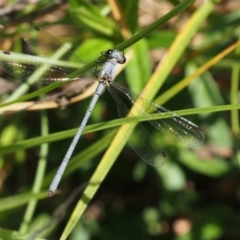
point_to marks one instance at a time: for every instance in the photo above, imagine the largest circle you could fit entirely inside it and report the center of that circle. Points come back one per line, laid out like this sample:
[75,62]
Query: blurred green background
[196,195]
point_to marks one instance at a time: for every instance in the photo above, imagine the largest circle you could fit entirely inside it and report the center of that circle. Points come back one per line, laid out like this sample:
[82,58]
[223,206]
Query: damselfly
[64,65]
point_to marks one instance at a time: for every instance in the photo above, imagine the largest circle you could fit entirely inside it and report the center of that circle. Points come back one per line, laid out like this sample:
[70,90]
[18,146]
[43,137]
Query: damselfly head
[119,56]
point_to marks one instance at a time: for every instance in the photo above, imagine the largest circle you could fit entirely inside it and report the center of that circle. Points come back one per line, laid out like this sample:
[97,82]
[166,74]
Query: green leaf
[138,69]
[214,167]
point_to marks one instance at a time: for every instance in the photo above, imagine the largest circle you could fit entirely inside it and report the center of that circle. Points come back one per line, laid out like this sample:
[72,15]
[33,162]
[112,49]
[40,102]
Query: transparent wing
[146,147]
[176,127]
[22,66]
[44,44]
[60,63]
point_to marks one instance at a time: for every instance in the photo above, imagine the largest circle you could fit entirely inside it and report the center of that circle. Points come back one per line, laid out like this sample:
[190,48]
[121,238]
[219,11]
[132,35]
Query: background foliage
[191,62]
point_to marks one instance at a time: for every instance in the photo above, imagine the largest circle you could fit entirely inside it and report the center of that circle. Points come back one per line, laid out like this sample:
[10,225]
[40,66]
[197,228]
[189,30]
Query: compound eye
[123,60]
[109,52]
